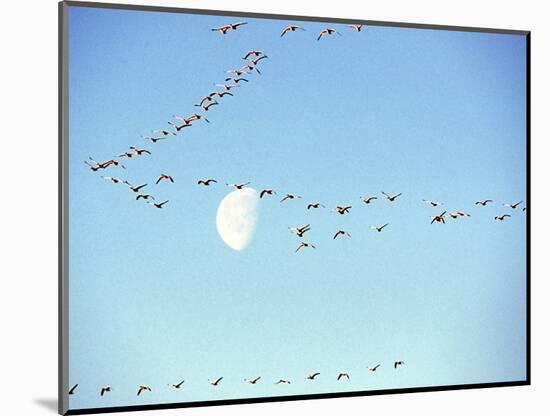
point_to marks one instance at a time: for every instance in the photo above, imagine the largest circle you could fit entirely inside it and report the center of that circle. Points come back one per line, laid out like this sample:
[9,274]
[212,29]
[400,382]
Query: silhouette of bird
[231,26]
[143,388]
[73,389]
[439,218]
[368,199]
[139,151]
[327,31]
[159,205]
[252,380]
[312,376]
[379,228]
[216,381]
[514,205]
[303,244]
[300,231]
[433,203]
[207,106]
[342,209]
[238,185]
[390,197]
[342,374]
[458,214]
[290,196]
[114,180]
[236,80]
[125,154]
[358,28]
[221,94]
[153,139]
[164,177]
[164,132]
[315,205]
[256,60]
[135,188]
[267,191]
[253,52]
[283,381]
[206,182]
[105,390]
[144,196]
[398,363]
[177,385]
[374,368]
[227,87]
[501,217]
[180,126]
[291,28]
[340,232]
[484,202]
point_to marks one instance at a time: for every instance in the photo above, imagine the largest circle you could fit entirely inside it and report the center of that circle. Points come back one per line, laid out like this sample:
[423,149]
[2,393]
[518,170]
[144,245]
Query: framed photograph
[262,208]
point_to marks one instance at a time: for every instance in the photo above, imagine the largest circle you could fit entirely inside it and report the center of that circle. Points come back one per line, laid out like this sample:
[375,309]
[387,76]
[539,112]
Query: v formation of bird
[180,123]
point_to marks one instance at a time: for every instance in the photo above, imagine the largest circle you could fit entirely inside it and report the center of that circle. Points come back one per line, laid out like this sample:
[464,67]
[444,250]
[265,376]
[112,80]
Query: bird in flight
[177,385]
[282,381]
[125,154]
[458,214]
[252,380]
[358,28]
[207,106]
[238,72]
[159,205]
[501,217]
[182,125]
[196,116]
[221,94]
[368,199]
[164,132]
[327,31]
[216,381]
[206,182]
[238,185]
[154,139]
[256,60]
[250,67]
[103,165]
[105,390]
[514,205]
[164,177]
[300,231]
[139,151]
[342,374]
[135,188]
[374,368]
[144,196]
[483,202]
[231,26]
[254,53]
[315,205]
[342,209]
[267,191]
[379,228]
[236,80]
[391,198]
[291,28]
[290,196]
[227,87]
[312,376]
[398,363]
[433,203]
[439,218]
[143,388]
[303,244]
[114,180]
[340,232]
[72,389]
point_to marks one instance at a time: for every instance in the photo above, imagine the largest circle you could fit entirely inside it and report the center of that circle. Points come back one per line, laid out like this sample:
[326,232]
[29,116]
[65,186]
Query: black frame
[63,256]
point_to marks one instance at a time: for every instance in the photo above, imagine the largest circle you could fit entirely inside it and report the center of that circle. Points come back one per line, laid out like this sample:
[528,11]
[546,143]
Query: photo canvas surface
[275,208]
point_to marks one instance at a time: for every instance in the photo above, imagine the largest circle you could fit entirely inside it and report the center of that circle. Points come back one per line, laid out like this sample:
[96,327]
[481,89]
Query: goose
[315,205]
[73,389]
[221,94]
[238,186]
[177,385]
[256,60]
[135,188]
[368,199]
[458,214]
[398,363]
[342,209]
[253,52]
[234,26]
[267,191]
[342,374]
[300,231]
[282,381]
[340,232]
[250,67]
[379,228]
[205,98]
[153,139]
[164,132]
[312,376]
[239,72]
[483,202]
[95,166]
[114,180]
[291,28]
[302,245]
[104,390]
[236,80]
[433,203]
[439,218]
[206,182]
[374,368]
[227,87]
[222,29]
[180,126]
[144,196]
[196,116]
[143,388]
[216,381]
[139,151]
[252,380]
[390,197]
[501,217]
[356,27]
[207,106]
[103,165]
[290,196]
[125,154]
[164,177]
[159,205]
[514,205]
[327,31]
[112,162]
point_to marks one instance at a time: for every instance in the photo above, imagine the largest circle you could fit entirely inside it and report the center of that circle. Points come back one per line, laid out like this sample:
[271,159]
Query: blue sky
[156,296]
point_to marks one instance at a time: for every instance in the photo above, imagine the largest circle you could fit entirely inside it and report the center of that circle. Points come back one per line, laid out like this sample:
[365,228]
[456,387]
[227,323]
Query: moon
[237,217]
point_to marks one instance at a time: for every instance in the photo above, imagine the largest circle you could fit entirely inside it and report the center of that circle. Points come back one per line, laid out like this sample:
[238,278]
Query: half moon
[237,217]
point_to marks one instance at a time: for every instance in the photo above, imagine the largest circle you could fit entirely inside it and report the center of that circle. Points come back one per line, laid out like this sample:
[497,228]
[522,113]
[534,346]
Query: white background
[28,225]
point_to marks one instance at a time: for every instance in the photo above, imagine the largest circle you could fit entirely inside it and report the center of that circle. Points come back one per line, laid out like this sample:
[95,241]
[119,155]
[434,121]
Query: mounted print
[265,208]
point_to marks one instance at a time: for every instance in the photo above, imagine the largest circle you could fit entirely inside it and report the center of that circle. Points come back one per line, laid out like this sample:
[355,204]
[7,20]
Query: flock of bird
[142,388]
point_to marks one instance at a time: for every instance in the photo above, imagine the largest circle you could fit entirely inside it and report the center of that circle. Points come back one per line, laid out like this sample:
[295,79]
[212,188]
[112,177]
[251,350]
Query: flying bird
[256,60]
[221,94]
[73,389]
[379,228]
[342,209]
[164,177]
[231,26]
[238,185]
[105,390]
[514,205]
[153,139]
[238,72]
[483,202]
[374,368]
[433,203]
[267,191]
[439,218]
[125,154]
[144,196]
[300,231]
[178,385]
[143,388]
[159,205]
[254,53]
[398,363]
[327,31]
[139,151]
[252,380]
[358,28]
[196,116]
[227,87]
[283,381]
[303,244]
[458,214]
[291,28]
[206,182]
[390,197]
[216,381]
[290,196]
[182,125]
[312,376]
[207,106]
[342,374]
[236,80]
[315,205]
[368,199]
[340,232]
[114,180]
[501,217]
[135,188]
[164,132]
